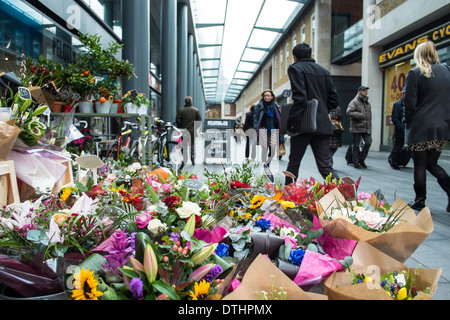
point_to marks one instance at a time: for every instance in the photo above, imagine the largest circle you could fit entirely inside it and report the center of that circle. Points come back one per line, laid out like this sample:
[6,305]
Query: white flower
[288,232]
[341,212]
[155,226]
[54,233]
[371,218]
[400,278]
[84,206]
[6,225]
[188,208]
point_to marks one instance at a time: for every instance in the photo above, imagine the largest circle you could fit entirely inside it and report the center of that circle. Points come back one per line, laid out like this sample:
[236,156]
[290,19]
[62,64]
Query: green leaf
[130,273]
[94,262]
[166,289]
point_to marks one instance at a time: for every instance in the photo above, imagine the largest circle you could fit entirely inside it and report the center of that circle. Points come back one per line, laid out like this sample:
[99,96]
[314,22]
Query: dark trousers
[397,148]
[320,146]
[361,155]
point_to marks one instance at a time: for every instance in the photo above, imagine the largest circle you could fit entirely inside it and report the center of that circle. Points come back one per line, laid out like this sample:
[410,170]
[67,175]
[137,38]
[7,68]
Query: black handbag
[308,122]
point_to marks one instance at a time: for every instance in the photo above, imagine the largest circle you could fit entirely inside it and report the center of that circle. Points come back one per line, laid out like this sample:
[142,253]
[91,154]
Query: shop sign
[437,35]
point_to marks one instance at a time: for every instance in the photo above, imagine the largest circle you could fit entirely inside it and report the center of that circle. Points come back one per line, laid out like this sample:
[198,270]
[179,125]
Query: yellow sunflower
[257,201]
[85,286]
[201,290]
[66,192]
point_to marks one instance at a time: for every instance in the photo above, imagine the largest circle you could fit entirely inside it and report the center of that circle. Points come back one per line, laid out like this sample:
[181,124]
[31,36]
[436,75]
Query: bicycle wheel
[155,156]
[172,156]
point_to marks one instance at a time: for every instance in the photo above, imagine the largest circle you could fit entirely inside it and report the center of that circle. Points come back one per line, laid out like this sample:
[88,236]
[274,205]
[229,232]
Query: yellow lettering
[422,39]
[441,31]
[447,30]
[383,58]
[398,51]
[435,35]
[410,46]
[391,54]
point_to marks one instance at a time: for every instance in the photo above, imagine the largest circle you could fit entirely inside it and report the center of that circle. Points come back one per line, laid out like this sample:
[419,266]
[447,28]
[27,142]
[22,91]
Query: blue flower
[222,250]
[296,256]
[264,224]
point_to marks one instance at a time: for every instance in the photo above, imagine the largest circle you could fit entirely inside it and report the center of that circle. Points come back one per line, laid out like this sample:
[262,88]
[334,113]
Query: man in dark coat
[310,81]
[248,124]
[185,119]
[398,112]
[360,113]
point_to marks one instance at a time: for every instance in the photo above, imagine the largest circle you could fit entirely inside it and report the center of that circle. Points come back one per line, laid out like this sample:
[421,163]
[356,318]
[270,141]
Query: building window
[227,109]
[313,33]
[281,64]
[276,68]
[294,40]
[287,58]
[303,34]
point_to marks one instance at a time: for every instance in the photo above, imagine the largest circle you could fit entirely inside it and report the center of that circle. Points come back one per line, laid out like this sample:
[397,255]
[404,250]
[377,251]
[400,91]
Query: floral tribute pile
[145,234]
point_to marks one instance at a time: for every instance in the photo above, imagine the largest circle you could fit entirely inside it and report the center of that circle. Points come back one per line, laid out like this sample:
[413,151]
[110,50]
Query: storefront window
[23,30]
[395,78]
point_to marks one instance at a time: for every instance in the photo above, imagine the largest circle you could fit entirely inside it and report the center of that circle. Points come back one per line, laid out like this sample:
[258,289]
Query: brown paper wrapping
[338,286]
[399,242]
[258,278]
[8,136]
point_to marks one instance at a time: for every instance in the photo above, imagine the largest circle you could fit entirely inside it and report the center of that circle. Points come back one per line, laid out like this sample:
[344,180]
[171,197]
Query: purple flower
[137,288]
[174,236]
[213,273]
[119,251]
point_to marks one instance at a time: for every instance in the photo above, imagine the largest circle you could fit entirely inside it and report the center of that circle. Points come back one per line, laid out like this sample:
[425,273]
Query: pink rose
[142,220]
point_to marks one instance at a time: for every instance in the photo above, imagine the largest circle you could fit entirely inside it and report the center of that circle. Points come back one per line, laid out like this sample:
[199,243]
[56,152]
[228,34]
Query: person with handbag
[338,130]
[266,119]
[359,111]
[310,81]
[427,117]
[399,156]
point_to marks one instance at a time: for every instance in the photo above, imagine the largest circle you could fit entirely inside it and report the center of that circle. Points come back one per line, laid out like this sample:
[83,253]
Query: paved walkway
[434,252]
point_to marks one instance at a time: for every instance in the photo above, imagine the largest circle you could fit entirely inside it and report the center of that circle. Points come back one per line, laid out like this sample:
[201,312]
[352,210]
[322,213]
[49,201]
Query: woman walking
[427,117]
[267,117]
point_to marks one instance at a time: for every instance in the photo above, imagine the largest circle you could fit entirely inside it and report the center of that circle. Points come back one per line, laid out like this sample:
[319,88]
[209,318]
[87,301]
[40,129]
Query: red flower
[172,201]
[238,184]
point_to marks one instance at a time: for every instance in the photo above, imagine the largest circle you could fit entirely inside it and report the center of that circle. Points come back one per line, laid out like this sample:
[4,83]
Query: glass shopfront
[23,30]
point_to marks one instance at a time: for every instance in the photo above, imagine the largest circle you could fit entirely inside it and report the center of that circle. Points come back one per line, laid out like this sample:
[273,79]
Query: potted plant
[135,102]
[43,78]
[97,72]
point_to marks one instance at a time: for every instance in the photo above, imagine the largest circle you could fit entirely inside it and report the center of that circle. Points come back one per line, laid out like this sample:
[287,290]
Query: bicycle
[166,153]
[127,142]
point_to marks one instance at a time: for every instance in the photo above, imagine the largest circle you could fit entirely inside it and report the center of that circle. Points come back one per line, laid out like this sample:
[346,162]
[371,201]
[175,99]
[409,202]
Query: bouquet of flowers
[27,118]
[394,229]
[376,276]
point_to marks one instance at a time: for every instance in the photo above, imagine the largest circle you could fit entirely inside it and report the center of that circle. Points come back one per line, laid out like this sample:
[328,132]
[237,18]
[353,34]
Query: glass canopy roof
[234,37]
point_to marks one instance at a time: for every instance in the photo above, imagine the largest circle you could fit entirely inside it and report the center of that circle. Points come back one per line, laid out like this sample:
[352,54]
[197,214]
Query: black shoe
[357,166]
[396,167]
[417,205]
[361,162]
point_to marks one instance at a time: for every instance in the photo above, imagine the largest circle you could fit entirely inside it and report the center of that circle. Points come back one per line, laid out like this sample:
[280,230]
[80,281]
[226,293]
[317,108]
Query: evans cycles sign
[437,35]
